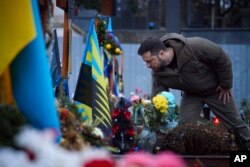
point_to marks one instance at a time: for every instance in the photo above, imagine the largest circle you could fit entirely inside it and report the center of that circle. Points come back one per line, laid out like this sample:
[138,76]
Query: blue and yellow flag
[17,29]
[111,64]
[91,88]
[23,49]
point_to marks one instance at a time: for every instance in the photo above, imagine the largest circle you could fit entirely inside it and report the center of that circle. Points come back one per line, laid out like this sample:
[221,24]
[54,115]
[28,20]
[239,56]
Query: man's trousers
[191,107]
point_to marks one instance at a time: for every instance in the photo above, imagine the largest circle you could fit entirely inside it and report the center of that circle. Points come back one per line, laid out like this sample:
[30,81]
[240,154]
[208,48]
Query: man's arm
[212,53]
[157,87]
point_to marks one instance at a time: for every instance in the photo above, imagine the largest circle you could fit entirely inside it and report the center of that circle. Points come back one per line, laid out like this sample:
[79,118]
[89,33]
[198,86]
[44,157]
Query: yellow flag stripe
[97,56]
[105,110]
[17,29]
[96,64]
[103,116]
[105,102]
[102,89]
[89,58]
[101,120]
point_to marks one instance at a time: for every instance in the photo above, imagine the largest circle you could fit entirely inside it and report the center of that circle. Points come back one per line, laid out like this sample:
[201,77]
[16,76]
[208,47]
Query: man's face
[163,58]
[152,61]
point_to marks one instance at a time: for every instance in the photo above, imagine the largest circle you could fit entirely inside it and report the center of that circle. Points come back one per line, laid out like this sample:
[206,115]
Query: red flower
[64,113]
[116,113]
[99,163]
[130,132]
[115,129]
[127,115]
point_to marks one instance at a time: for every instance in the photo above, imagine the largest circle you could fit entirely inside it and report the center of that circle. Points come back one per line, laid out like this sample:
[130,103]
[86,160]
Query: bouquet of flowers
[151,118]
[160,112]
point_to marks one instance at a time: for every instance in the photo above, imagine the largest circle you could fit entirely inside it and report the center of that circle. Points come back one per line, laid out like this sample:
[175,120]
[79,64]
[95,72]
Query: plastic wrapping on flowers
[156,116]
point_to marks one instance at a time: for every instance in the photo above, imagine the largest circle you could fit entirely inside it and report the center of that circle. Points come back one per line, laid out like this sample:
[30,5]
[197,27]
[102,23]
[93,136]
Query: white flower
[146,102]
[46,152]
[13,158]
[98,132]
[132,93]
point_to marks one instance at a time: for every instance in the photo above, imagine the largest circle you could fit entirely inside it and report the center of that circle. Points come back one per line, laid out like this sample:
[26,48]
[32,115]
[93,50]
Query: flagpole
[111,81]
[65,58]
[6,95]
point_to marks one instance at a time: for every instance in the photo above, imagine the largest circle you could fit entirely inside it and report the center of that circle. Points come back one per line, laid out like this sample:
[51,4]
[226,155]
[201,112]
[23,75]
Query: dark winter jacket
[201,66]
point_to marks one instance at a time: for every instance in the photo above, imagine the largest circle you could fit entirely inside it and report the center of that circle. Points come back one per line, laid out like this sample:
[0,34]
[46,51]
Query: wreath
[106,38]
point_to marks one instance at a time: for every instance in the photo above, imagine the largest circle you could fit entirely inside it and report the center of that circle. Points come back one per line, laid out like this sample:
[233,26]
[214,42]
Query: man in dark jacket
[202,71]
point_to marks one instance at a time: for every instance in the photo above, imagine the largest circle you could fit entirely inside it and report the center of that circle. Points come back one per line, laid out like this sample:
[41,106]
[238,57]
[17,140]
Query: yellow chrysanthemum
[160,103]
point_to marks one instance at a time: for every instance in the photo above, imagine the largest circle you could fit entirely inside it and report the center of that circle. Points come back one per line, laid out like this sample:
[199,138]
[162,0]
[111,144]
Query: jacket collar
[173,36]
[178,43]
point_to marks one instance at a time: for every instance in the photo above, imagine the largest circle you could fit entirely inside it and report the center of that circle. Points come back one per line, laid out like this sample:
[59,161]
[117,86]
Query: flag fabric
[55,64]
[115,89]
[111,64]
[111,72]
[108,60]
[16,32]
[107,64]
[23,44]
[60,84]
[109,25]
[91,88]
[86,116]
[65,86]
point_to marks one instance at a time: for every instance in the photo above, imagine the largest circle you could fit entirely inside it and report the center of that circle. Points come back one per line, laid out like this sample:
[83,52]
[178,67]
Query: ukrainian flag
[23,49]
[91,88]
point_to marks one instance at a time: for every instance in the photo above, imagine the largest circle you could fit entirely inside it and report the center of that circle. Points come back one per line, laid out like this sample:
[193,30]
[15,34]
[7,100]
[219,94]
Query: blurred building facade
[226,22]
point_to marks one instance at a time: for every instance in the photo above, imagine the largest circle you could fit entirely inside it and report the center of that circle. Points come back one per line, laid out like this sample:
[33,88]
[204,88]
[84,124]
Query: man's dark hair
[154,45]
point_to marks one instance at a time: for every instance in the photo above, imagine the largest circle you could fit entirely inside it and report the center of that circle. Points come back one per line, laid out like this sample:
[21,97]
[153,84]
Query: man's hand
[225,94]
